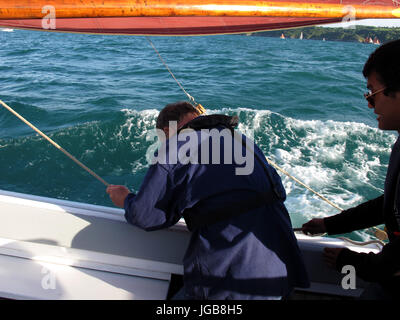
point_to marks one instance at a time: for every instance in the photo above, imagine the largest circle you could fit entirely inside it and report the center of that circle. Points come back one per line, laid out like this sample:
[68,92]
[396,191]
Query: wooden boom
[33,9]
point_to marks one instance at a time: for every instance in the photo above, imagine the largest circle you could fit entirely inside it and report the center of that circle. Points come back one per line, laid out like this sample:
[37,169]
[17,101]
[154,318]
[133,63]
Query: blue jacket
[253,255]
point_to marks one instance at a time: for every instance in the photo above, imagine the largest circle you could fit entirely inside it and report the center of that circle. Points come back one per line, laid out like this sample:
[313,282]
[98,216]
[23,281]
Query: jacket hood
[212,121]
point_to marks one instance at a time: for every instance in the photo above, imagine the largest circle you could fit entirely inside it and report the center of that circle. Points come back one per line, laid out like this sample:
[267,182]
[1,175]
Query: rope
[359,243]
[54,143]
[199,107]
[380,234]
[304,185]
[169,70]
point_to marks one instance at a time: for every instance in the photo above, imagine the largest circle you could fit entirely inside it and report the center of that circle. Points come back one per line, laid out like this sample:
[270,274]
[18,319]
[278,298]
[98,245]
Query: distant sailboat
[376,41]
[323,39]
[301,36]
[282,36]
[369,40]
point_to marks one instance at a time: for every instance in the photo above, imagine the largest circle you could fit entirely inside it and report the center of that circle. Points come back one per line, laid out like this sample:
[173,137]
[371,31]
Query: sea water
[98,97]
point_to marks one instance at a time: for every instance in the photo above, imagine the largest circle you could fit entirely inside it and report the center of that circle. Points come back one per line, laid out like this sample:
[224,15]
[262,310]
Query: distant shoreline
[354,34]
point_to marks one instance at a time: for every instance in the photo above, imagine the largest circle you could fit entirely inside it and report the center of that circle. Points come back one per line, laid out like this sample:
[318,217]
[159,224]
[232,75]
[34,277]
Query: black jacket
[384,266]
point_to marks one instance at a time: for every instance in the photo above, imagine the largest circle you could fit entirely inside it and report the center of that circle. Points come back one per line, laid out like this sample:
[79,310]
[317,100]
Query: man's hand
[118,194]
[314,226]
[331,255]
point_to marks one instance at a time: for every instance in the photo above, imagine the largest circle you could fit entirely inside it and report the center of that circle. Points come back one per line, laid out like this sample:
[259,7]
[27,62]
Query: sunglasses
[369,96]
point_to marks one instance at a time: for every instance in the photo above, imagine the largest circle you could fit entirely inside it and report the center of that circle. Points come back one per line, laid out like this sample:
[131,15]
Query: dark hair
[385,61]
[174,112]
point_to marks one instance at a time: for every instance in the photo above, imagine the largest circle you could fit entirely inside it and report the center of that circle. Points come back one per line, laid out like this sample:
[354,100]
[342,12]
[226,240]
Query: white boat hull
[56,249]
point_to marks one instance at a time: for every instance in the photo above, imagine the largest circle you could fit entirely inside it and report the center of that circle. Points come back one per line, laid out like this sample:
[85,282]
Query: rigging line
[54,143]
[169,70]
[380,234]
[303,184]
[198,106]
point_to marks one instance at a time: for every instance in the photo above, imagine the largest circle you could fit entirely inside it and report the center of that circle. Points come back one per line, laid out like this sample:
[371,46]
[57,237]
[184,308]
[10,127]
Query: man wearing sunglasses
[382,71]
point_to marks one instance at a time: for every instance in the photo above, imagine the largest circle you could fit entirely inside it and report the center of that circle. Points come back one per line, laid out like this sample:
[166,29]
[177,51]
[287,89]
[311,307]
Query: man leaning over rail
[382,71]
[242,245]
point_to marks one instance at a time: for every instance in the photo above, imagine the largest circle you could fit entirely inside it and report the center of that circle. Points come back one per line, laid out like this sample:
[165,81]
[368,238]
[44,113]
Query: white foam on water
[138,123]
[136,130]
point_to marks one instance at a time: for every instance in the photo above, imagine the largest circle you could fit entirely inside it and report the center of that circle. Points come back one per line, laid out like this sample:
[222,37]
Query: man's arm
[363,216]
[153,206]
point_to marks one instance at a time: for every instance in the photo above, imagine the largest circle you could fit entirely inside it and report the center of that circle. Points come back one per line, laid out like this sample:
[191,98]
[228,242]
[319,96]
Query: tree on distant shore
[357,34]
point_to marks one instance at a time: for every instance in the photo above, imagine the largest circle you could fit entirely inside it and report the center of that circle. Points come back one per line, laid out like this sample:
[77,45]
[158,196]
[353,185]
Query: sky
[369,22]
